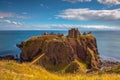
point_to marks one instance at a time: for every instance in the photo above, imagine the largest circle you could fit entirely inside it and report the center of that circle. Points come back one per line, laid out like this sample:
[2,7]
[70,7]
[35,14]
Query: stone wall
[73,33]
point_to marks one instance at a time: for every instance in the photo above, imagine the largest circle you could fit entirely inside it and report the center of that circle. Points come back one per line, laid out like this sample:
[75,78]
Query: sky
[59,14]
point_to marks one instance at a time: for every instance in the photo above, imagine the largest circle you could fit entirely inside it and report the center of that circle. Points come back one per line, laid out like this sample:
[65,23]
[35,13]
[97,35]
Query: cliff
[72,53]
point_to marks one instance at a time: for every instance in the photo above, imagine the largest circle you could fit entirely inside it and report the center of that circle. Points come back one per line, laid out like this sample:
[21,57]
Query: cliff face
[61,53]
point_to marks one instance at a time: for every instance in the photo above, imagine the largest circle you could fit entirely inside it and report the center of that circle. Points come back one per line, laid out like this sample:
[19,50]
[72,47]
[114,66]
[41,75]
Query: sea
[108,42]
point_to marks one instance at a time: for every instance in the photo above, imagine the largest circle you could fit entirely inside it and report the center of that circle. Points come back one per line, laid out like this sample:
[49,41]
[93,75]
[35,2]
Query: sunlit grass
[14,71]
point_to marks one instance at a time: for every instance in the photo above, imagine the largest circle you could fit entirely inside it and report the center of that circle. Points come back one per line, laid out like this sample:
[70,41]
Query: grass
[11,70]
[82,65]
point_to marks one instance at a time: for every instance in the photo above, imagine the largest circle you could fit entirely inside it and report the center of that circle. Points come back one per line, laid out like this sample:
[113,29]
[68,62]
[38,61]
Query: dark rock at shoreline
[58,53]
[106,64]
[8,57]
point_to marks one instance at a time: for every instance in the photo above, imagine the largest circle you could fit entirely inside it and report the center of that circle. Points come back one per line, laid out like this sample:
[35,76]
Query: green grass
[14,71]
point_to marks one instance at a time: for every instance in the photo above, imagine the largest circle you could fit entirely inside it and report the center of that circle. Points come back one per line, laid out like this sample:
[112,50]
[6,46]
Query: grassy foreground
[14,71]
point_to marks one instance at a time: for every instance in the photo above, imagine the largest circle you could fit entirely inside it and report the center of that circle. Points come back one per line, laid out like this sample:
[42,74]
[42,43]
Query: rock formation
[72,53]
[7,57]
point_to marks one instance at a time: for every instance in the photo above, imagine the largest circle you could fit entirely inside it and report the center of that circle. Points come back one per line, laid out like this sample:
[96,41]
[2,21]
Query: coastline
[106,41]
[104,64]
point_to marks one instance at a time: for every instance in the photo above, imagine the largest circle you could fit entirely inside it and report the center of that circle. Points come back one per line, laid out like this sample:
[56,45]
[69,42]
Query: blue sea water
[108,42]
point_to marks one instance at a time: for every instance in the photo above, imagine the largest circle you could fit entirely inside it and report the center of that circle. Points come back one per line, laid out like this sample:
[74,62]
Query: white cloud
[10,22]
[16,23]
[57,27]
[74,1]
[11,15]
[68,26]
[87,14]
[106,2]
[109,2]
[7,21]
[1,17]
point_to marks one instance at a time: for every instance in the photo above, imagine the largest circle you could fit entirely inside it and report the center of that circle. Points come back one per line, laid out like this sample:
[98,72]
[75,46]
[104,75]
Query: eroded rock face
[60,52]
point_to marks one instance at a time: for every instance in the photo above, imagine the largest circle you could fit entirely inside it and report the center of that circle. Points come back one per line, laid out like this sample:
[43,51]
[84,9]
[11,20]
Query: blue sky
[59,14]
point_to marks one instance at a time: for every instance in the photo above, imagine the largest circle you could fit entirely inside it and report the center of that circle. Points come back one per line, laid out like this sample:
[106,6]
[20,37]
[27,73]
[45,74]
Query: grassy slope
[14,71]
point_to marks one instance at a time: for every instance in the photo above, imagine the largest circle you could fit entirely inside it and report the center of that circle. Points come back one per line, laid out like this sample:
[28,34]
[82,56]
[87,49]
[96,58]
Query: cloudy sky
[59,14]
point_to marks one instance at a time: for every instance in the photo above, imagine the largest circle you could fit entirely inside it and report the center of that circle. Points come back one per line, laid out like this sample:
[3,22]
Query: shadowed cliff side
[72,53]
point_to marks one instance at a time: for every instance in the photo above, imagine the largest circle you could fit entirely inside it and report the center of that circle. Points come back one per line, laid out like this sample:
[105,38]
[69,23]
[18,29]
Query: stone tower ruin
[73,33]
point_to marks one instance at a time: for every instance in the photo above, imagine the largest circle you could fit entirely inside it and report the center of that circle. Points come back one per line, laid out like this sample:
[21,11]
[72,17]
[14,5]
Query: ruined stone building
[73,33]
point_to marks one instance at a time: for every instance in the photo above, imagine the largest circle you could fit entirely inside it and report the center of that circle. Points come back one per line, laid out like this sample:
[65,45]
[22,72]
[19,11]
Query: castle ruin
[73,33]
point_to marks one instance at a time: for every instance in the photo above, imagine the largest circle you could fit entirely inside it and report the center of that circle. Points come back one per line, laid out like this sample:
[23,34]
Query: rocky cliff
[72,53]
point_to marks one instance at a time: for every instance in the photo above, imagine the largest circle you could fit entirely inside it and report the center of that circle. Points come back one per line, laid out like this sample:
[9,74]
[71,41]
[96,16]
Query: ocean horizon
[107,41]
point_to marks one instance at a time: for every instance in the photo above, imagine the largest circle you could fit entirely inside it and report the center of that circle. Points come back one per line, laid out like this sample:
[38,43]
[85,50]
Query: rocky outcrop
[72,53]
[7,57]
